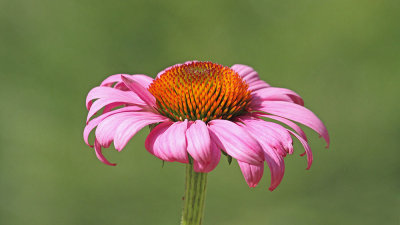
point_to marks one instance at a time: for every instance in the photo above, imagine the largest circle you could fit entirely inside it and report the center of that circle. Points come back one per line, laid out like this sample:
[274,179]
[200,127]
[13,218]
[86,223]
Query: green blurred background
[343,57]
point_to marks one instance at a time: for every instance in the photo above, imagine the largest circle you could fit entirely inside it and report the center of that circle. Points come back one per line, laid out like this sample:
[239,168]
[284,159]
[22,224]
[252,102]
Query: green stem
[195,193]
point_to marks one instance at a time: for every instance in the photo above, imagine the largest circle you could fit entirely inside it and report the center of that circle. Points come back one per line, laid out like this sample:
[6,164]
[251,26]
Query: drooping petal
[99,104]
[154,143]
[94,122]
[199,141]
[278,137]
[100,155]
[296,113]
[252,173]
[113,94]
[105,131]
[278,94]
[274,159]
[306,147]
[292,125]
[202,167]
[137,88]
[130,126]
[235,141]
[167,141]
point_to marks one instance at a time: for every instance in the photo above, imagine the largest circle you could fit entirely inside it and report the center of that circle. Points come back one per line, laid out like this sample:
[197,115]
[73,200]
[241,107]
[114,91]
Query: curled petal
[235,141]
[296,113]
[99,154]
[252,173]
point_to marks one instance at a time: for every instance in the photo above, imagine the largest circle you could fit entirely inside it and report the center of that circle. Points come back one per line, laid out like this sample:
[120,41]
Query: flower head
[198,110]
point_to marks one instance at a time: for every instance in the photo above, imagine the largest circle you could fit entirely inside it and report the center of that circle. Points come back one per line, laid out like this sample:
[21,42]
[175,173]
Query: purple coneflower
[196,111]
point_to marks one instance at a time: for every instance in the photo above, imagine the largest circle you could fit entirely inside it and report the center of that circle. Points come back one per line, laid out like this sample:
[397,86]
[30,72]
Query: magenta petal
[278,94]
[297,113]
[142,92]
[130,126]
[167,141]
[236,141]
[252,173]
[94,122]
[198,141]
[100,155]
[205,167]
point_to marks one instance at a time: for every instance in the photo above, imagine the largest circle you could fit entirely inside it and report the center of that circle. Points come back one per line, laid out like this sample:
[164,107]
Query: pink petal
[292,125]
[274,159]
[130,126]
[235,140]
[142,79]
[202,167]
[142,92]
[198,141]
[251,77]
[306,147]
[106,129]
[167,141]
[112,94]
[246,72]
[278,137]
[252,173]
[256,85]
[100,155]
[99,104]
[153,142]
[278,94]
[94,122]
[297,113]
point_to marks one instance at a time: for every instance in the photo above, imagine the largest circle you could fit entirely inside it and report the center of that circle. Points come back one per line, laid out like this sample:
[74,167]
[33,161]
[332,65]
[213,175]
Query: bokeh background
[343,57]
